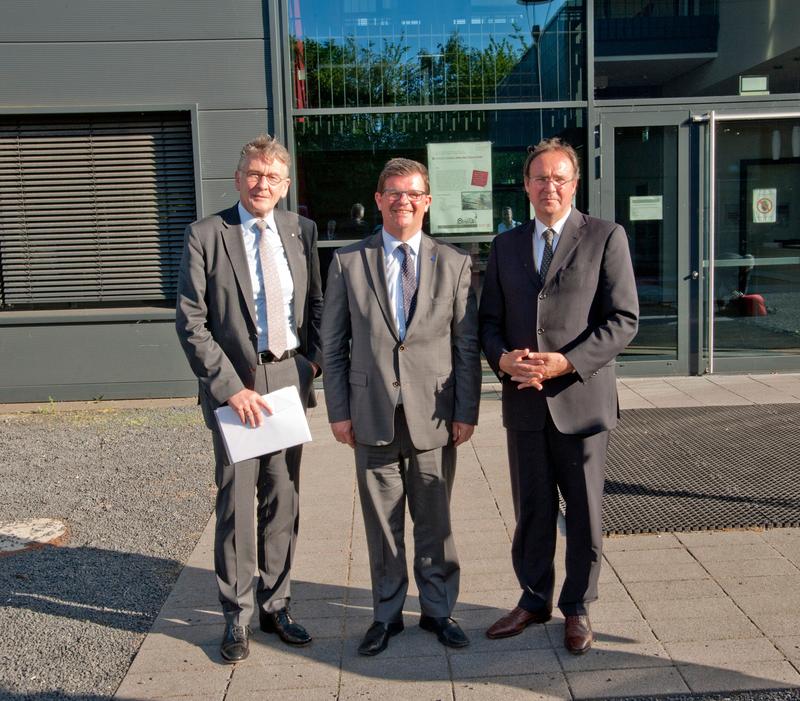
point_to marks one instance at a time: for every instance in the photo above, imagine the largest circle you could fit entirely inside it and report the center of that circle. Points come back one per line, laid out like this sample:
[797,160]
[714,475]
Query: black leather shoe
[377,637]
[448,632]
[282,623]
[235,646]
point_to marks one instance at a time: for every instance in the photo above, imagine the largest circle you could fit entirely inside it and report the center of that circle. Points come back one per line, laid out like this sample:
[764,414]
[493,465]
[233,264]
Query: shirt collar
[390,243]
[248,220]
[557,227]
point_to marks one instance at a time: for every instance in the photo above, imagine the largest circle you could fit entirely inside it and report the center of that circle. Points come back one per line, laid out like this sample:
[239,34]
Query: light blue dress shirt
[394,259]
[250,234]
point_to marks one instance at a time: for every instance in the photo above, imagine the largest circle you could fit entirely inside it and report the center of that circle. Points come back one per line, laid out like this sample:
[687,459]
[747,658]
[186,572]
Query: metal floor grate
[703,468]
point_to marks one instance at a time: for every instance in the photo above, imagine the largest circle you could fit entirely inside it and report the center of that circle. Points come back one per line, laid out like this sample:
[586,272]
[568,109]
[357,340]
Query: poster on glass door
[461,186]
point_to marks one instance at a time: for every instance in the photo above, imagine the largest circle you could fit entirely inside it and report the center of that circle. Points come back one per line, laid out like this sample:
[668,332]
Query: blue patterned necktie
[547,254]
[408,277]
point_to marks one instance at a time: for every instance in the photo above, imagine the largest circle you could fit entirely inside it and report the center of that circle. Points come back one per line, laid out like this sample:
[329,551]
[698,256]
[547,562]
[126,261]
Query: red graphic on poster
[480,178]
[764,205]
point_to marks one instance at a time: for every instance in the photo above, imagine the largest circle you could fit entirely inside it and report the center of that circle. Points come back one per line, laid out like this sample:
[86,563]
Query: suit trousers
[266,539]
[388,475]
[541,463]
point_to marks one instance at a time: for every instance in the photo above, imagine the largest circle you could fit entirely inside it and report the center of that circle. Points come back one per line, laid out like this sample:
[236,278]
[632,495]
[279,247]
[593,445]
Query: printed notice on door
[461,185]
[646,208]
[764,200]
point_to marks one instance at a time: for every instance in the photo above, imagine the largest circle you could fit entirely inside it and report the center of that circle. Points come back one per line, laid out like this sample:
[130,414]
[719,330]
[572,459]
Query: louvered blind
[93,207]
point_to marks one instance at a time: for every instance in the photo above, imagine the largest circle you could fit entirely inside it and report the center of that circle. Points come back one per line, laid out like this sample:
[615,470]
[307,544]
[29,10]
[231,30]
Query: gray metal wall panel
[83,361]
[214,74]
[218,194]
[222,135]
[101,20]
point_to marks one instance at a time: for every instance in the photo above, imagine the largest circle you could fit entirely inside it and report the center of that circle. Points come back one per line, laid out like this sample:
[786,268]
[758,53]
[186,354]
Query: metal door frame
[601,198]
[708,259]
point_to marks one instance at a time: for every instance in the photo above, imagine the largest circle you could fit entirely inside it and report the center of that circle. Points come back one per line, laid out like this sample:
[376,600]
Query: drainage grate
[703,468]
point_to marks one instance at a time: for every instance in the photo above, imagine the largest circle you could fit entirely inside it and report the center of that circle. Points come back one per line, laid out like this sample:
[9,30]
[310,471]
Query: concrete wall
[212,55]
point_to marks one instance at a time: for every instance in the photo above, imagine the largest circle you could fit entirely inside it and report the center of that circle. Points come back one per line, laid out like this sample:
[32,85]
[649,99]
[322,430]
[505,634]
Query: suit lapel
[428,259]
[289,232]
[234,246]
[524,251]
[376,278]
[567,242]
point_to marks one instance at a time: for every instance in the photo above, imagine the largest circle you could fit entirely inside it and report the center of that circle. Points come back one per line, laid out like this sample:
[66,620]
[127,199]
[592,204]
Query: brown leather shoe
[516,621]
[578,635]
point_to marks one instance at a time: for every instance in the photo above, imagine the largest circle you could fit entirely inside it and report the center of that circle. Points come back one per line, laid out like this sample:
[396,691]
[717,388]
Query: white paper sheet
[285,427]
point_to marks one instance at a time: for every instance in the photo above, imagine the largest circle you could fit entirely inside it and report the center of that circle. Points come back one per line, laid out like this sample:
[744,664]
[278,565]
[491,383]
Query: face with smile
[551,184]
[402,218]
[255,193]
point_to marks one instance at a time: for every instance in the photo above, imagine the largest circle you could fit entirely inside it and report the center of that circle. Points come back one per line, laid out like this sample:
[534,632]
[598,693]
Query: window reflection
[365,54]
[663,48]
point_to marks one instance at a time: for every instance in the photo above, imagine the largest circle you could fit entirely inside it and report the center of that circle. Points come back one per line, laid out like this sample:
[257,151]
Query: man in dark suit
[402,386]
[559,303]
[248,313]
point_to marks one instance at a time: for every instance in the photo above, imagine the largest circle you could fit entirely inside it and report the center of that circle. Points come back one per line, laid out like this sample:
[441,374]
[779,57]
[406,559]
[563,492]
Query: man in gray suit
[402,385]
[559,303]
[248,313]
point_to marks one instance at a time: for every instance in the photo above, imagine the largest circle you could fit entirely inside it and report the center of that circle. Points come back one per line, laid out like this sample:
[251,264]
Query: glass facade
[756,281]
[379,53]
[691,48]
[466,87]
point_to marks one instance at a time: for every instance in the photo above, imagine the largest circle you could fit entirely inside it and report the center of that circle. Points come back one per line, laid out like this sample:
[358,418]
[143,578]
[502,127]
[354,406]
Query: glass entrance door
[753,266]
[644,186]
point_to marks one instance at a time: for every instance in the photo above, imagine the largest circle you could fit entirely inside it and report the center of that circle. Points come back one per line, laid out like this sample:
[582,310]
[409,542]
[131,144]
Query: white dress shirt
[538,237]
[250,235]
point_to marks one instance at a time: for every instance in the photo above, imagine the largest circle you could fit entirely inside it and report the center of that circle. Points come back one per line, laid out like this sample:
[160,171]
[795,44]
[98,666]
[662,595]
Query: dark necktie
[276,320]
[408,278]
[547,254]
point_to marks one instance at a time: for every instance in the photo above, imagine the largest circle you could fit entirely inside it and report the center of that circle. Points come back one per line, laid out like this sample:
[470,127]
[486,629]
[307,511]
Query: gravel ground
[135,488]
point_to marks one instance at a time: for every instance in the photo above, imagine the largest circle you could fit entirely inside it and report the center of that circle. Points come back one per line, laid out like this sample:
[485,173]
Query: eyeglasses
[558,183]
[254,178]
[413,195]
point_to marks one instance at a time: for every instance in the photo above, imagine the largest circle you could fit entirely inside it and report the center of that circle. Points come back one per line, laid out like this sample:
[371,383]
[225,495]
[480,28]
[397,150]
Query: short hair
[548,145]
[403,166]
[268,148]
[507,209]
[357,211]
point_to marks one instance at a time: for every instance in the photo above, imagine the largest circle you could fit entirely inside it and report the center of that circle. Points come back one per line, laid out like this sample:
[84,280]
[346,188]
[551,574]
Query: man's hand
[343,432]
[248,404]
[532,369]
[461,432]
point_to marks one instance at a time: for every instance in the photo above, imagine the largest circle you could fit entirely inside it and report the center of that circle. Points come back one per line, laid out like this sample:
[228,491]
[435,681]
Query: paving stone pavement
[678,612]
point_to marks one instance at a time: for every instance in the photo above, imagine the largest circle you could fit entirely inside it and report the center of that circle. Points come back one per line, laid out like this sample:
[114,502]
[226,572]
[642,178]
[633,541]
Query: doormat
[703,468]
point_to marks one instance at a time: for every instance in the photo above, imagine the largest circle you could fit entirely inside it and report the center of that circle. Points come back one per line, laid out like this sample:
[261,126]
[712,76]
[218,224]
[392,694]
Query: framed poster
[461,187]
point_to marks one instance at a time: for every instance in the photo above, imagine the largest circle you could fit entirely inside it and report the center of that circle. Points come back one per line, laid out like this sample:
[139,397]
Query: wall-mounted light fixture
[753,85]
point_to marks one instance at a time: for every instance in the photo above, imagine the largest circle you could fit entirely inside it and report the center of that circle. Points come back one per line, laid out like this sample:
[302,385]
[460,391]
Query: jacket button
[540,331]
[402,348]
[395,384]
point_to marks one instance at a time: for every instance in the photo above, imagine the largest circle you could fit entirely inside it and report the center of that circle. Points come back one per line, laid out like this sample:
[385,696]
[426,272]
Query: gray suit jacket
[437,365]
[215,317]
[587,308]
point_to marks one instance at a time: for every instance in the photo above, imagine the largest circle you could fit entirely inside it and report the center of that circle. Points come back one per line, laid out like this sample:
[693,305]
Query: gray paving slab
[526,687]
[678,611]
[607,683]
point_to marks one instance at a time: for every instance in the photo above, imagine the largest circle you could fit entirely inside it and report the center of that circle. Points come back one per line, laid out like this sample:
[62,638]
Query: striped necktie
[408,277]
[276,318]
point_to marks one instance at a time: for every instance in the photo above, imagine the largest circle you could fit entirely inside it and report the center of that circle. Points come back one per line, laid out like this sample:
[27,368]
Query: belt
[267,357]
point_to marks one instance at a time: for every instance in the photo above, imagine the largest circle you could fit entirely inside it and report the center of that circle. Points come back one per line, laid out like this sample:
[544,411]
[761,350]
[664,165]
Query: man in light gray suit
[559,303]
[402,386]
[248,313]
